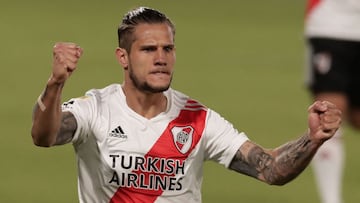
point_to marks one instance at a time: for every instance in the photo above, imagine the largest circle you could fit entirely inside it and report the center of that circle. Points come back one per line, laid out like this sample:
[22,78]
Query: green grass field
[243,59]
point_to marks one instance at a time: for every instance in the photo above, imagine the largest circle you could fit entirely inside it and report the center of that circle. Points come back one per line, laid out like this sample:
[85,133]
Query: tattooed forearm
[295,152]
[293,157]
[277,166]
[67,128]
[252,165]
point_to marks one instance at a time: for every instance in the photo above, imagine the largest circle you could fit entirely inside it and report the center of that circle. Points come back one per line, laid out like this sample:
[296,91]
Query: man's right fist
[65,58]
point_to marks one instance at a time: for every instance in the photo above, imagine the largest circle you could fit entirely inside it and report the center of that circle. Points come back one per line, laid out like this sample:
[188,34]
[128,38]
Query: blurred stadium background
[242,58]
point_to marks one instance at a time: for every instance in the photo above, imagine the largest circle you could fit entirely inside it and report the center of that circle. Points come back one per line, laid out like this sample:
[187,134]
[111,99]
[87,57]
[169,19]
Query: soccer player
[333,37]
[142,141]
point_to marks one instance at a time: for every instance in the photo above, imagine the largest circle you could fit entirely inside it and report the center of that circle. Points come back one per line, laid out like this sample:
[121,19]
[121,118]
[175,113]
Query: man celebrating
[142,141]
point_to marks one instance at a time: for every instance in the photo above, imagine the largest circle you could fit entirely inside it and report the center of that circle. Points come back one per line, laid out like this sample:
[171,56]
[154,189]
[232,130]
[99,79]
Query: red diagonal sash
[193,115]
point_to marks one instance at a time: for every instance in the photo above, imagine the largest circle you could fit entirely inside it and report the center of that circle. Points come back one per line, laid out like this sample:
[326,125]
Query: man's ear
[122,57]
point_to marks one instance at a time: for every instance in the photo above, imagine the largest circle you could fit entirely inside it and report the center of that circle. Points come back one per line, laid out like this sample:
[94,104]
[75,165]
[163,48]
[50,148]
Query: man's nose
[160,57]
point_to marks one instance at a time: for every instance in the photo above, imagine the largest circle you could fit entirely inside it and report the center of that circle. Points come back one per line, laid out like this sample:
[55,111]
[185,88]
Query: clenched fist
[324,120]
[65,58]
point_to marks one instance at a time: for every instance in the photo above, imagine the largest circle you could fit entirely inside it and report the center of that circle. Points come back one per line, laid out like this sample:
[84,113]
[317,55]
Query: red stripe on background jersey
[165,148]
[311,4]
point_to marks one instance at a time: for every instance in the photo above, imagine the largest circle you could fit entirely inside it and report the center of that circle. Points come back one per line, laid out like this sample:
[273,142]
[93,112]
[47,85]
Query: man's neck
[147,105]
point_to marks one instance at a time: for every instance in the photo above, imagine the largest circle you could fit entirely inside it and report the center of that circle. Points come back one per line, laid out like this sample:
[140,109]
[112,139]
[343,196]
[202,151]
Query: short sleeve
[222,139]
[83,109]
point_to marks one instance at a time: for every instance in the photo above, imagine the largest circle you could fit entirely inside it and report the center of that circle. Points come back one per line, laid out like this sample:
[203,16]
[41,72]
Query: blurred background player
[332,30]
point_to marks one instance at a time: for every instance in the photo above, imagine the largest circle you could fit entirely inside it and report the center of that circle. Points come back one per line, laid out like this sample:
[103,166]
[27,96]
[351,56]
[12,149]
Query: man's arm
[50,125]
[67,128]
[275,167]
[283,164]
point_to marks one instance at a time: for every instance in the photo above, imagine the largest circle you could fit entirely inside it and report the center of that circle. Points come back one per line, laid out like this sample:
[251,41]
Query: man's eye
[149,49]
[168,49]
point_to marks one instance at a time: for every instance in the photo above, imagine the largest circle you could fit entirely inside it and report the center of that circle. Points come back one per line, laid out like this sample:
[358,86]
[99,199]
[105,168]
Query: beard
[145,86]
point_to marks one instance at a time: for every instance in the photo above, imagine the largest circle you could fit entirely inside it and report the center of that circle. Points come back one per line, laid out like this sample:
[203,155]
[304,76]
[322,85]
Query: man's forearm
[293,157]
[278,166]
[47,115]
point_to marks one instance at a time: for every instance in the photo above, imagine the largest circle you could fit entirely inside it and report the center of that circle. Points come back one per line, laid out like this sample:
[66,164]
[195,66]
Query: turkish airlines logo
[183,137]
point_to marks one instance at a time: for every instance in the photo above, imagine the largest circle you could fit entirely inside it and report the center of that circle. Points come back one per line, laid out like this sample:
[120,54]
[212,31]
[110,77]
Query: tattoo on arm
[67,129]
[277,166]
[254,163]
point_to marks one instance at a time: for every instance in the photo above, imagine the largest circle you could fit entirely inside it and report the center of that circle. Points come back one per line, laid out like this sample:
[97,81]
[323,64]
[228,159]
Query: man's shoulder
[105,91]
[185,101]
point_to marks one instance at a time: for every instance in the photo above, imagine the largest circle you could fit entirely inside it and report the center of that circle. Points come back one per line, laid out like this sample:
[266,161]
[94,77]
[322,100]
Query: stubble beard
[145,86]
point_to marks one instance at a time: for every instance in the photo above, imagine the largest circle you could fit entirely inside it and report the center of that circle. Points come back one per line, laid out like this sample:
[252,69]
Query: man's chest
[148,154]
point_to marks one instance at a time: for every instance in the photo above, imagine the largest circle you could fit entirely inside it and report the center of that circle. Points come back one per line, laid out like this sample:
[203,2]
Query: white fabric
[104,150]
[328,166]
[339,19]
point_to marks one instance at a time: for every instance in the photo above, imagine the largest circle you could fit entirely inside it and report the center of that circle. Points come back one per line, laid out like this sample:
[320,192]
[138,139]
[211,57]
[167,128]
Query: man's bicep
[67,128]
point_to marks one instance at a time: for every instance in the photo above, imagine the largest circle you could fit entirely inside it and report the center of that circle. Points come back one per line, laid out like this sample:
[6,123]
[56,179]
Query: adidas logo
[118,132]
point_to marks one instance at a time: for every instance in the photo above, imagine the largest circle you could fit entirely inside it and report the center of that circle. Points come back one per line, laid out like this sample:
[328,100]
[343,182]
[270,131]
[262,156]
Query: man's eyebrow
[154,46]
[147,46]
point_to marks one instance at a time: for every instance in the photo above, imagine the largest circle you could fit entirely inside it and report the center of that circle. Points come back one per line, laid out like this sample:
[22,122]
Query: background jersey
[339,19]
[124,157]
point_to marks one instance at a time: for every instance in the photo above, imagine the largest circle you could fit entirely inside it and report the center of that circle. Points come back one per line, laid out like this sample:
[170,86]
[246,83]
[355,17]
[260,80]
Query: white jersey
[124,157]
[339,19]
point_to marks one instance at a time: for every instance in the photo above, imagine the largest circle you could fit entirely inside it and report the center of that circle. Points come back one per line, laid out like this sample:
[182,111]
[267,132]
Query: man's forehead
[153,27]
[153,33]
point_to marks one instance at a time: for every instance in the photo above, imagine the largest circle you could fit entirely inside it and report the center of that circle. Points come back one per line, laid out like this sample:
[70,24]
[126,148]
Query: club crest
[182,137]
[322,62]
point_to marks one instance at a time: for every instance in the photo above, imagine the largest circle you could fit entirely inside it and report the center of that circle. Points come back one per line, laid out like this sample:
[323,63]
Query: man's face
[152,58]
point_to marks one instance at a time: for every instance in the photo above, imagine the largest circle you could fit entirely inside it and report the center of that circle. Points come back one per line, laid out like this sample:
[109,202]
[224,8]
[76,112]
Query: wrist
[53,89]
[55,82]
[312,138]
[40,103]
